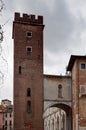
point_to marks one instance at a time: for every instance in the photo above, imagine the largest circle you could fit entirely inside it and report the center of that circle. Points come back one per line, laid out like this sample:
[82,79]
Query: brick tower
[28,72]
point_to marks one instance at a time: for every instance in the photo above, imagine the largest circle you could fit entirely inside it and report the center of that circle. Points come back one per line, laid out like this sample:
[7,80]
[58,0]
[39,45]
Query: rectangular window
[19,69]
[83,66]
[82,90]
[29,49]
[5,128]
[6,115]
[29,34]
[28,106]
[10,114]
[10,123]
[28,92]
[6,123]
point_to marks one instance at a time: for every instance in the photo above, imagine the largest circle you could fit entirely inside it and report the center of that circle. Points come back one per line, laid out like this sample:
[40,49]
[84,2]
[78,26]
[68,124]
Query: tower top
[28,19]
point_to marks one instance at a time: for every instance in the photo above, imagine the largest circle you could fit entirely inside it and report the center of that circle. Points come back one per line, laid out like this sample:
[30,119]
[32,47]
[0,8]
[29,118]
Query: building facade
[77,67]
[6,115]
[8,118]
[5,102]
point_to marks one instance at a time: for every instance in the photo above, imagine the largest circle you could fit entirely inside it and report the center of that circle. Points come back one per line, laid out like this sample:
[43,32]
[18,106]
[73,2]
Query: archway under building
[58,116]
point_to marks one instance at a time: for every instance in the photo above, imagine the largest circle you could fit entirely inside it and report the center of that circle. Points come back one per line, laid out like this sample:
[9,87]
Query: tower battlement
[30,19]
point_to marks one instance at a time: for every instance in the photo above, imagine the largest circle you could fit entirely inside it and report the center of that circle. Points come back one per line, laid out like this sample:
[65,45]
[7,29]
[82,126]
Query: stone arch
[68,110]
[59,104]
[63,106]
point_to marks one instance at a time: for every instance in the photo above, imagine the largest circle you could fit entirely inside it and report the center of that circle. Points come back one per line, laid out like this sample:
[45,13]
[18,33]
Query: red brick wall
[79,101]
[31,73]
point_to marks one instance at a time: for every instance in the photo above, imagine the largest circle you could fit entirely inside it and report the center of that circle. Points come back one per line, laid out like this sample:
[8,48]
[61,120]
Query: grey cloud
[60,26]
[63,34]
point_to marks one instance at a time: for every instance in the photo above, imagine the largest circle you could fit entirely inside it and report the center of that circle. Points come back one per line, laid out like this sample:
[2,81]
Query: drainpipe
[71,102]
[78,92]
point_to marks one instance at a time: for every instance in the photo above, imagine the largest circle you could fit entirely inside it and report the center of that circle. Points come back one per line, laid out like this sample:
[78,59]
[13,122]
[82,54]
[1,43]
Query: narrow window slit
[28,92]
[20,70]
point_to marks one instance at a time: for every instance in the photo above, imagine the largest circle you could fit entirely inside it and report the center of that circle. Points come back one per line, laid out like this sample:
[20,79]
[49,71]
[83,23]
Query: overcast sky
[64,34]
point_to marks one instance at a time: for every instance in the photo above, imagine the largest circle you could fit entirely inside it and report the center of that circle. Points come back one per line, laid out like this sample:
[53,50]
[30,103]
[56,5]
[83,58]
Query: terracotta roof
[6,100]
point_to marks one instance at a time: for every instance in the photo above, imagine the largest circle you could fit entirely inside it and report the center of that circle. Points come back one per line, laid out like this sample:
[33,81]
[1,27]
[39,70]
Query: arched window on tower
[28,92]
[59,91]
[20,70]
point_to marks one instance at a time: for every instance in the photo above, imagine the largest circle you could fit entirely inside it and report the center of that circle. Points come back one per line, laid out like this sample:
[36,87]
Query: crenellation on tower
[28,19]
